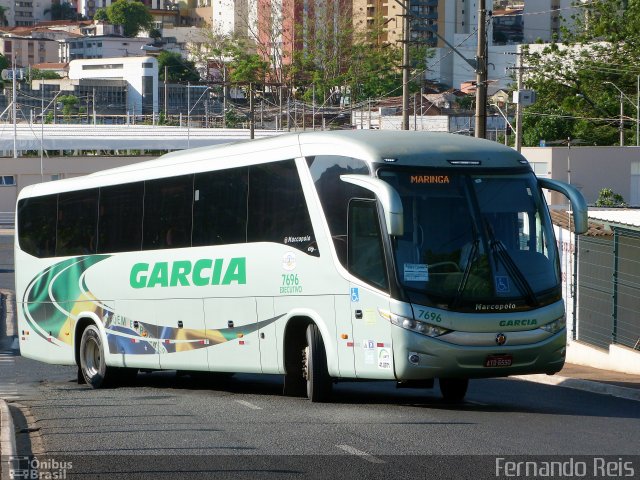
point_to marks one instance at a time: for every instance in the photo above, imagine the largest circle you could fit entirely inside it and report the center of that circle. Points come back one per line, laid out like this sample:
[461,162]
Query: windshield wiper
[467,270]
[521,281]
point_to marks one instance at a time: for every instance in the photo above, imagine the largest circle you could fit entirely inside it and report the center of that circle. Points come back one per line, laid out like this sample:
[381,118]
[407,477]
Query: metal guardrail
[7,219]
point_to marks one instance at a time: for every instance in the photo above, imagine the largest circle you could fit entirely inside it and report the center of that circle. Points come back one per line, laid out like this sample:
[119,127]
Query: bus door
[182,334]
[232,334]
[267,335]
[371,331]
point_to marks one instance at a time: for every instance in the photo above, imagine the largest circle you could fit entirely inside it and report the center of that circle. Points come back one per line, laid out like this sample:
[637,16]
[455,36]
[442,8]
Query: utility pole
[14,111]
[481,74]
[519,105]
[405,66]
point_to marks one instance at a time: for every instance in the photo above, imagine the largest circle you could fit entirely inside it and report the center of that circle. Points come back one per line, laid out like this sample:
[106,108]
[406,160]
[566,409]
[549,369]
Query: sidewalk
[588,379]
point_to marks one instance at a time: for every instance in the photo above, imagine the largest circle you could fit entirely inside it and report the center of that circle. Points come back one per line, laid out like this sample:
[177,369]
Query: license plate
[493,361]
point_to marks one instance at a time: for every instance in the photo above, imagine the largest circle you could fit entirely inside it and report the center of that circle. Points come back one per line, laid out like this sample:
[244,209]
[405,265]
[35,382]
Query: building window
[7,180]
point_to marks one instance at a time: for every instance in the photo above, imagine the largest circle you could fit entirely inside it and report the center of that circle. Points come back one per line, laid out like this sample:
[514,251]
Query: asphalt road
[163,426]
[6,262]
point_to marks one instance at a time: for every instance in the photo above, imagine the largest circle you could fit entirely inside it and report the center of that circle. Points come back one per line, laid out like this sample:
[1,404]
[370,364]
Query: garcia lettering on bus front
[184,273]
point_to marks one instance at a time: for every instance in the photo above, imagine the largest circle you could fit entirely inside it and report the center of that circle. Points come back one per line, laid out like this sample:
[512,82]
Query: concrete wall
[27,172]
[592,169]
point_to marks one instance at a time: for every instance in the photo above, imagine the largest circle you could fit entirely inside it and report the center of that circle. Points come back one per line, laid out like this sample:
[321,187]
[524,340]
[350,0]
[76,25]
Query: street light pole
[621,120]
[405,68]
[636,105]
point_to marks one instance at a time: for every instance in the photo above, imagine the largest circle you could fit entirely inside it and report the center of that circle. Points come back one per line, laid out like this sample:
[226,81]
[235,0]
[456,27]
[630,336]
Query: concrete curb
[584,385]
[7,439]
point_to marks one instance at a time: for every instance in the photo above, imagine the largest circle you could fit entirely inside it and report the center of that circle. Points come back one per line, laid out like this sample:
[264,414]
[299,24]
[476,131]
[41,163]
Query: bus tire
[453,390]
[92,361]
[315,366]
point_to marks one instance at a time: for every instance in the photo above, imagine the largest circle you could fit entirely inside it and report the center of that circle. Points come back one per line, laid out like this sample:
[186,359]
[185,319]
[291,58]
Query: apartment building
[543,19]
[28,50]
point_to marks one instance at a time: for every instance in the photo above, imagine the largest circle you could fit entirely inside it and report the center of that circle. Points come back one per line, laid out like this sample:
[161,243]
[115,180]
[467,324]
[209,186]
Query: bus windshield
[474,239]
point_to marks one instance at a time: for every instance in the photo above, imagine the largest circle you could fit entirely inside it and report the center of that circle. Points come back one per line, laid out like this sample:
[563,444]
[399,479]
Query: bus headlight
[414,325]
[556,326]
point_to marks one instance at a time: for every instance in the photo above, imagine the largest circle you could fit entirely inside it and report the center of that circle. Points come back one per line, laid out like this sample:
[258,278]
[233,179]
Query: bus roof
[408,148]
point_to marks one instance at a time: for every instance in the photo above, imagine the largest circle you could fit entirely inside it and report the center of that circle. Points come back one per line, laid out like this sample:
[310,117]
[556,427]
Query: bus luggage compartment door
[232,334]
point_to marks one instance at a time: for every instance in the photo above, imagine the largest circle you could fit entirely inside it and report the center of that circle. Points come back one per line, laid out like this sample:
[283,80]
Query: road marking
[249,405]
[364,455]
[479,404]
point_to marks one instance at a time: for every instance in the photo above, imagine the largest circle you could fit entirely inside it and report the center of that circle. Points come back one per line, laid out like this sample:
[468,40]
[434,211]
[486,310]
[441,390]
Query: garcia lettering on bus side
[184,273]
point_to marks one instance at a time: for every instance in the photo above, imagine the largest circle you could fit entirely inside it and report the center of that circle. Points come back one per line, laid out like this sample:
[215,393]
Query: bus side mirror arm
[388,197]
[578,203]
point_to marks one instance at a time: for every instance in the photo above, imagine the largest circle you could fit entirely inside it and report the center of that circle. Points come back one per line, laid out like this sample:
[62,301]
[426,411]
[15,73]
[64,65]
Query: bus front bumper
[418,357]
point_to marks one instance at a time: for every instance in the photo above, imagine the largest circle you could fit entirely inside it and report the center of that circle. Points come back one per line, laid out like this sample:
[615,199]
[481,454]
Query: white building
[140,73]
[450,69]
[543,19]
[459,22]
[88,7]
[235,17]
[100,46]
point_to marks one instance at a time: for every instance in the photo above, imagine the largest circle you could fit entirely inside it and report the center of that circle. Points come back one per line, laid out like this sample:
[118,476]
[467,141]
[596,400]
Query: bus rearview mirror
[578,203]
[387,196]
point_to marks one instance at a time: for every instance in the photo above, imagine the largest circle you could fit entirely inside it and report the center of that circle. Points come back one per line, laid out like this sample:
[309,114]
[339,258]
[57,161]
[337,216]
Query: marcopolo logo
[184,273]
[500,306]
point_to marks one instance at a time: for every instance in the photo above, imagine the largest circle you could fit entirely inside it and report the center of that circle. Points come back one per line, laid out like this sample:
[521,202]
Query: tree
[62,11]
[131,14]
[321,57]
[570,79]
[4,62]
[69,104]
[608,198]
[101,15]
[178,69]
[36,74]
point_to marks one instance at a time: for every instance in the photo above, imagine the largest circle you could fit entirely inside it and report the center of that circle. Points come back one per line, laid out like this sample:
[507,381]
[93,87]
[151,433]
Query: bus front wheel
[315,366]
[92,361]
[453,390]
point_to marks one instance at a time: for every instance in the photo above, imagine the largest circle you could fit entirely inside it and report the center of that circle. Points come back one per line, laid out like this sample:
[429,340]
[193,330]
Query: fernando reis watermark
[597,467]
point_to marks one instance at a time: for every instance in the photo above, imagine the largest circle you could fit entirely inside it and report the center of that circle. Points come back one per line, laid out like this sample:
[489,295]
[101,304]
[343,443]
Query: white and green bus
[321,256]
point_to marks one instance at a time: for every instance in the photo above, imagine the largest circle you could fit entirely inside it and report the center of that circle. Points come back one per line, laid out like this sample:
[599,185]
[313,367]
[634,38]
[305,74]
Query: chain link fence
[609,289]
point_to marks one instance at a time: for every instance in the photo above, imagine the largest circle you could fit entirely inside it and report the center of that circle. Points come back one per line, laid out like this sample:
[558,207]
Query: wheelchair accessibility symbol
[355,295]
[502,284]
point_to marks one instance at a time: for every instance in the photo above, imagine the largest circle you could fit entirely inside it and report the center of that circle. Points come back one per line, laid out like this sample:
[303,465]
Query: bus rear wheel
[92,361]
[453,390]
[314,366]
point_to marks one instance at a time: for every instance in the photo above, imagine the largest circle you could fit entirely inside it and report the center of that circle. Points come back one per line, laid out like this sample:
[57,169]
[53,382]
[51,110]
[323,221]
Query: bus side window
[37,225]
[278,208]
[220,207]
[120,218]
[366,253]
[77,222]
[335,194]
[168,204]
